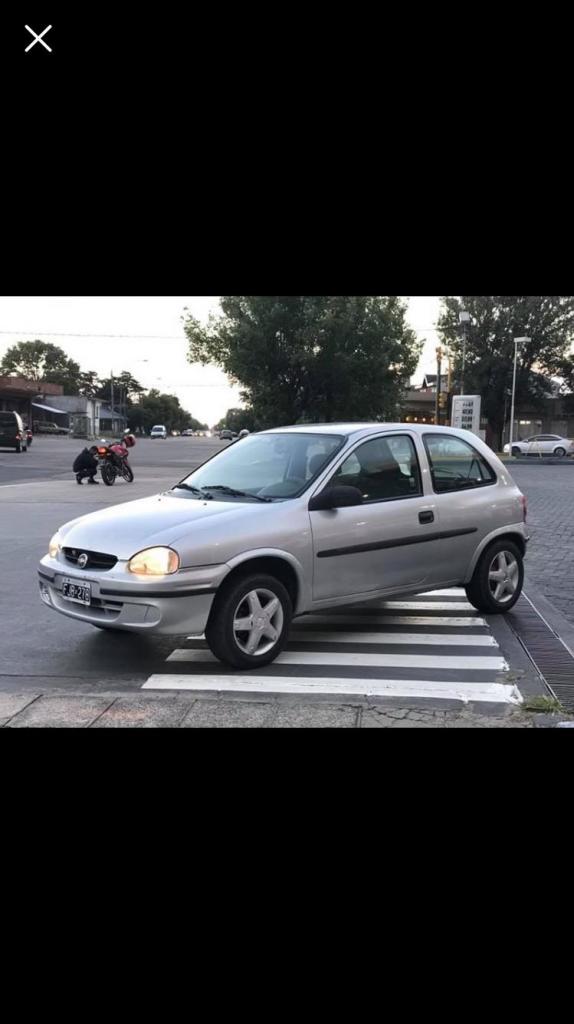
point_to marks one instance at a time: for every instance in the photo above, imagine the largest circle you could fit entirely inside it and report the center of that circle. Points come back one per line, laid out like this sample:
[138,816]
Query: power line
[79,334]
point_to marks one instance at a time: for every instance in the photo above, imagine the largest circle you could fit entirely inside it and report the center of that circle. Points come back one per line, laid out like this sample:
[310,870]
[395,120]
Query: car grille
[96,560]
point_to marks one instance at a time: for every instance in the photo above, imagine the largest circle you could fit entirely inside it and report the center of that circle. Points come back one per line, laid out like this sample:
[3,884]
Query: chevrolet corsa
[292,521]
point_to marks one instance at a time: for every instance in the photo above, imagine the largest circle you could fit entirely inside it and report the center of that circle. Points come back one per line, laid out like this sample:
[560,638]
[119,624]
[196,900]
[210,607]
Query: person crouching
[86,464]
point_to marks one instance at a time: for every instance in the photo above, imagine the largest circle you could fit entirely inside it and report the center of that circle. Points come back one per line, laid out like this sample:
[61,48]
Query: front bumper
[178,605]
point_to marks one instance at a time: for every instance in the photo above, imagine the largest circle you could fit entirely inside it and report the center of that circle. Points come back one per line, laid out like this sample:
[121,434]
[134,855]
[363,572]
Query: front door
[385,543]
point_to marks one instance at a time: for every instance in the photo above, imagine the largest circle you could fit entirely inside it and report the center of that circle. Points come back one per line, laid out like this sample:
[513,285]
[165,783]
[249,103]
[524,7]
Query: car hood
[123,530]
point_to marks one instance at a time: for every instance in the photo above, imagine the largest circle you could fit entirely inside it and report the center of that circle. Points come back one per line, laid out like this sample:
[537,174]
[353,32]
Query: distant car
[175,433]
[160,432]
[226,435]
[543,444]
[187,433]
[12,432]
[45,427]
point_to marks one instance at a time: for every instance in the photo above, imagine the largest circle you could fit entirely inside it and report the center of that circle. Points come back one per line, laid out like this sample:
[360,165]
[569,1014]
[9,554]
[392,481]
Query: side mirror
[335,497]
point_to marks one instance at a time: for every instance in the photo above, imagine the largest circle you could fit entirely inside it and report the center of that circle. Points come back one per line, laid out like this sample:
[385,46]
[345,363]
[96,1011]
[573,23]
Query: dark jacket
[85,460]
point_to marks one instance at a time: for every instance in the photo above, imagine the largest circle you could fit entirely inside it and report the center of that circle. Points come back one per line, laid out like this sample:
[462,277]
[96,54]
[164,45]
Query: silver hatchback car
[293,521]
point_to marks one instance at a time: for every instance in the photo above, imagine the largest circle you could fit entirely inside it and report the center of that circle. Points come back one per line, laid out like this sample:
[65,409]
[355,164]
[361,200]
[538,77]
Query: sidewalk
[110,711]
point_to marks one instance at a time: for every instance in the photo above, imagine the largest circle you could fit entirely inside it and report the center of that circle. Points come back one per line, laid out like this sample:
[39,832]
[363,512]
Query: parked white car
[542,444]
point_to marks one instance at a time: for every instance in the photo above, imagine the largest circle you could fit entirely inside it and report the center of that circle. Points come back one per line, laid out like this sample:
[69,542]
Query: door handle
[426,517]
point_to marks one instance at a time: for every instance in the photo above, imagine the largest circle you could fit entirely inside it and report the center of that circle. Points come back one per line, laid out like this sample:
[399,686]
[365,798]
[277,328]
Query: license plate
[81,593]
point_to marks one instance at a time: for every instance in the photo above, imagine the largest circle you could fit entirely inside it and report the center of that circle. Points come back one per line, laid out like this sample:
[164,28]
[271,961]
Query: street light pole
[517,342]
[463,319]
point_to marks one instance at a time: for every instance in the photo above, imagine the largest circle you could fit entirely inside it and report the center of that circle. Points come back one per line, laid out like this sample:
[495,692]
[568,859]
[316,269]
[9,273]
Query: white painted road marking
[341,658]
[392,620]
[414,606]
[485,663]
[432,639]
[492,692]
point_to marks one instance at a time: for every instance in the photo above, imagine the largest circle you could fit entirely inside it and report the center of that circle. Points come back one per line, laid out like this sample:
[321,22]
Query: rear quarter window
[455,465]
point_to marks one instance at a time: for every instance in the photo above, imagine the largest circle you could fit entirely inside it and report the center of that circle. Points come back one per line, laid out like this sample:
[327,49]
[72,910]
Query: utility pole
[439,355]
[464,320]
[517,342]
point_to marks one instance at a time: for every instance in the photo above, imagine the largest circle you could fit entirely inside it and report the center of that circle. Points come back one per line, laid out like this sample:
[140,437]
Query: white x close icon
[38,38]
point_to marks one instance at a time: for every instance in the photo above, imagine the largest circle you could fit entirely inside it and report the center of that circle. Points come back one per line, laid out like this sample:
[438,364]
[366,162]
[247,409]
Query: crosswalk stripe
[483,663]
[491,692]
[432,639]
[392,620]
[414,606]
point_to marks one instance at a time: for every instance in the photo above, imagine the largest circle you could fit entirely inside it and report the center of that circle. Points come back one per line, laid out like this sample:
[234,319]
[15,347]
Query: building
[27,397]
[91,417]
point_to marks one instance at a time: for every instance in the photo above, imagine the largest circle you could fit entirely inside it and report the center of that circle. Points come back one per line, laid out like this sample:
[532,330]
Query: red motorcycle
[113,459]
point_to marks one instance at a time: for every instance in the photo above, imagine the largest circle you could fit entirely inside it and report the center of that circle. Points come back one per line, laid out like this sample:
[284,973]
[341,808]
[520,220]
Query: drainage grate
[550,655]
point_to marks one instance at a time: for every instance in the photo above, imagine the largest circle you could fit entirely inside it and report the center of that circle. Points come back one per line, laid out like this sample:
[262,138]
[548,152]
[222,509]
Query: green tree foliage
[548,320]
[238,419]
[42,361]
[309,358]
[155,408]
[125,387]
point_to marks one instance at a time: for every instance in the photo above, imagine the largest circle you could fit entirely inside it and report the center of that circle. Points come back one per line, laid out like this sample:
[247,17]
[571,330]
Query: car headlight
[154,562]
[54,545]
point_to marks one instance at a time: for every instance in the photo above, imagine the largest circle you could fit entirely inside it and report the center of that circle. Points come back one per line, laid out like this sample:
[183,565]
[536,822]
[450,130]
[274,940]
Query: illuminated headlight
[154,562]
[54,546]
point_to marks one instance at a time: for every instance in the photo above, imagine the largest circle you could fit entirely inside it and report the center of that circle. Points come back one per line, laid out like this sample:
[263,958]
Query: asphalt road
[42,650]
[51,458]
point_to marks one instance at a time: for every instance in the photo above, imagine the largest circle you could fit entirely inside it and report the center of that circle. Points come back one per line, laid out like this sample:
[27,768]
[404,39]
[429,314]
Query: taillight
[524,503]
[102,451]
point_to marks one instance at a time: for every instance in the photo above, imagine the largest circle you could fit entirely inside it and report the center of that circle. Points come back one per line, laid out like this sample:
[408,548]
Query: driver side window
[383,469]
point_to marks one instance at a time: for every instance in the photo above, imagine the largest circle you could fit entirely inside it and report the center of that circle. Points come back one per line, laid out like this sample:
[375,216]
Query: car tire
[236,603]
[559,453]
[490,573]
[516,451]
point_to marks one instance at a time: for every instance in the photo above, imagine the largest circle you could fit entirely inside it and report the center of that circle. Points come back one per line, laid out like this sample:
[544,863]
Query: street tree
[496,320]
[309,358]
[238,419]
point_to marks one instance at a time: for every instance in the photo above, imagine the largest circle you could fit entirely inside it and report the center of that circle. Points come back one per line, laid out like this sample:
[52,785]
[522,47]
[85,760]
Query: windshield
[264,467]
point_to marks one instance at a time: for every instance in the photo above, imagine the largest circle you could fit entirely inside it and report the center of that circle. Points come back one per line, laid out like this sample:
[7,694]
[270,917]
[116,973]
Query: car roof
[350,429]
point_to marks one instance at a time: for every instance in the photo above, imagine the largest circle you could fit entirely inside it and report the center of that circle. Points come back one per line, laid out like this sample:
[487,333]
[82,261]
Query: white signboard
[466,413]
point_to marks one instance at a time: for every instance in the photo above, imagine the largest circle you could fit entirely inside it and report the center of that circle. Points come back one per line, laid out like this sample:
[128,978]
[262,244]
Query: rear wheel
[498,578]
[249,622]
[560,452]
[108,474]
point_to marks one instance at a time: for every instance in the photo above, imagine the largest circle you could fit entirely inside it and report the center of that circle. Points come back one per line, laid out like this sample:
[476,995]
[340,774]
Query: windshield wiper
[194,490]
[236,494]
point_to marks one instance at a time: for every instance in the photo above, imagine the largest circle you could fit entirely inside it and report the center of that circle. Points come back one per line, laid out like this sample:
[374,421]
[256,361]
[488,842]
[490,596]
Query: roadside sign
[466,413]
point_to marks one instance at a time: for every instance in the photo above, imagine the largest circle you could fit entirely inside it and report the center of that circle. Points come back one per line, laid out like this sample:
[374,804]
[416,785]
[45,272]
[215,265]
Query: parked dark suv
[12,433]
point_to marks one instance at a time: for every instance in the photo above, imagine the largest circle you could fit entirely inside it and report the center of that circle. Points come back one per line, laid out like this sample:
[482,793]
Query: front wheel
[108,474]
[249,622]
[516,451]
[127,473]
[498,578]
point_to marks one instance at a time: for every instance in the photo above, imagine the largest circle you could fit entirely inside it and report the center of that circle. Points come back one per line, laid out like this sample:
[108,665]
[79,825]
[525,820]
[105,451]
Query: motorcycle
[113,459]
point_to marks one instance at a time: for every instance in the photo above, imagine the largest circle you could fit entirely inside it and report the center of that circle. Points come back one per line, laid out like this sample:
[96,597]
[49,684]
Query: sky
[155,349]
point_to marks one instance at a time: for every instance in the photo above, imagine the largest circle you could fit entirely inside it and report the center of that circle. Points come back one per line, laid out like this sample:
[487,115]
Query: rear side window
[455,465]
